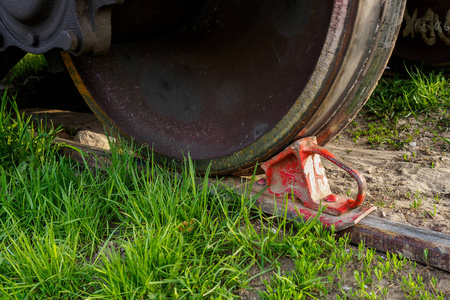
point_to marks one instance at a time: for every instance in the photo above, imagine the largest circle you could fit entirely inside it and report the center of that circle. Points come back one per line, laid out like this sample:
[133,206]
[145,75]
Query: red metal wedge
[298,170]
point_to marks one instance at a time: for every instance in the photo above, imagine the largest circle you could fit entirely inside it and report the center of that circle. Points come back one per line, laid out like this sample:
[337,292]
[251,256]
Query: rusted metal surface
[236,82]
[36,26]
[296,185]
[371,44]
[217,83]
[293,208]
[424,38]
[385,235]
[298,170]
[143,19]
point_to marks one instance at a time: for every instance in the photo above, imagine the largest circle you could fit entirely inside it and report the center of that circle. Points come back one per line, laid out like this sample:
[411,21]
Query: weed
[422,93]
[417,202]
[43,265]
[434,212]
[21,142]
[29,65]
[370,254]
[380,203]
[436,199]
[378,273]
[424,97]
[415,288]
[425,256]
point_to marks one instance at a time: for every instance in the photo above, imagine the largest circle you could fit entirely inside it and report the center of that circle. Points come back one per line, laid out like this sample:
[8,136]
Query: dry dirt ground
[411,185]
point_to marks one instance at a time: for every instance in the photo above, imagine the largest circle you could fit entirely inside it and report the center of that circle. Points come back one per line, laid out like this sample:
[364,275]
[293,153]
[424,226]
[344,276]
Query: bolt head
[69,40]
[31,40]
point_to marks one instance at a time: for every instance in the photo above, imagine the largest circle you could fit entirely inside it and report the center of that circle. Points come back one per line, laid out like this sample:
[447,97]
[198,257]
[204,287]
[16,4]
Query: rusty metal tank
[229,83]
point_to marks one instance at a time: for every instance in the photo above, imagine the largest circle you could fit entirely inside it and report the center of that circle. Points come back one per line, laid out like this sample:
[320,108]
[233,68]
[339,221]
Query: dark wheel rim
[235,88]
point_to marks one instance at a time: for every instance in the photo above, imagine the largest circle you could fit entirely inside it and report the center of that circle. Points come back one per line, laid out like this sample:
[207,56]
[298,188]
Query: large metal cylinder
[231,83]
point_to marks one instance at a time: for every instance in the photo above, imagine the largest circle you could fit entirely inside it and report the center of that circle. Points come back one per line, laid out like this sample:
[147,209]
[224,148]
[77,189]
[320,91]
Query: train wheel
[234,82]
[424,37]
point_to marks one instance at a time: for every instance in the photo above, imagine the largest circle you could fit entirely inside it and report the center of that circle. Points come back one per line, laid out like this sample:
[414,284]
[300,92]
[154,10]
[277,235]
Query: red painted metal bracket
[298,170]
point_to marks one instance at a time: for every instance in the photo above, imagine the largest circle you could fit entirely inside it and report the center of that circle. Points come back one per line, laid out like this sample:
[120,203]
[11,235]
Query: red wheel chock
[298,170]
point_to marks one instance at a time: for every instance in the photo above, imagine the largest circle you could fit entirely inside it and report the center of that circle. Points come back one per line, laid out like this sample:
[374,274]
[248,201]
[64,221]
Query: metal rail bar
[385,235]
[378,233]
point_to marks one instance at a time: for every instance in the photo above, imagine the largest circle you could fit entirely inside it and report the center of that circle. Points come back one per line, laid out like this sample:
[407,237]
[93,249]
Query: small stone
[398,217]
[369,178]
[413,144]
[438,228]
[93,139]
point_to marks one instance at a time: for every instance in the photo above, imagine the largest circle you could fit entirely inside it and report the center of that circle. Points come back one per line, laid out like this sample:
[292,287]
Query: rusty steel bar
[378,233]
[385,235]
[293,208]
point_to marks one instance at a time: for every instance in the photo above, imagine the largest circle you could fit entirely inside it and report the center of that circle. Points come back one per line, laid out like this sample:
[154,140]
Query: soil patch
[410,185]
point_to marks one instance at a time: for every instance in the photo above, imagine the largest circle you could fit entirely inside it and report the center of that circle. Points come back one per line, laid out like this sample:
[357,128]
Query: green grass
[29,65]
[424,98]
[133,231]
[22,143]
[420,94]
